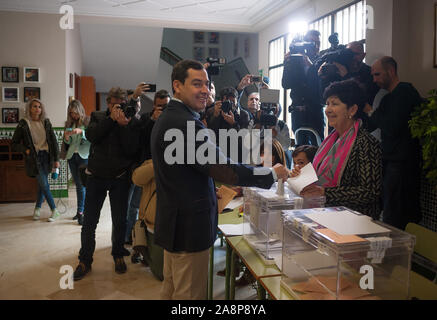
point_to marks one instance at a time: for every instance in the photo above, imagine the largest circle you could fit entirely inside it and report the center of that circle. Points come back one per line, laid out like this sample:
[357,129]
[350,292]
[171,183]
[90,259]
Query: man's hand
[281,171]
[368,109]
[217,108]
[156,113]
[28,151]
[229,118]
[139,90]
[342,71]
[246,81]
[118,115]
[312,190]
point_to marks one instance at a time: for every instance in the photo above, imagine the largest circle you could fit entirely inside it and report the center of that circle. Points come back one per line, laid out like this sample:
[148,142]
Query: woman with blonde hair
[78,150]
[35,138]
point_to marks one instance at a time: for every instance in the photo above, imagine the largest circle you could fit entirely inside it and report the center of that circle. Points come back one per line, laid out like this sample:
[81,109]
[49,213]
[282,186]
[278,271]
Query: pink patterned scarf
[331,159]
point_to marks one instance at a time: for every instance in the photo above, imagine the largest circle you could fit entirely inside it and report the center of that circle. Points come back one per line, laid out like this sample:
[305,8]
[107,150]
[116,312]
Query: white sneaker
[36,214]
[55,215]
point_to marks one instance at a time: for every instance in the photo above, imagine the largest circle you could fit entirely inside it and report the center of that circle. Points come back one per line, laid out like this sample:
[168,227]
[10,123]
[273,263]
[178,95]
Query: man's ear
[176,86]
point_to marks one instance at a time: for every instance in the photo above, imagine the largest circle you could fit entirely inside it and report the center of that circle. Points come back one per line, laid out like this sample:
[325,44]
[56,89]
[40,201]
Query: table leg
[232,280]
[261,291]
[211,272]
[227,270]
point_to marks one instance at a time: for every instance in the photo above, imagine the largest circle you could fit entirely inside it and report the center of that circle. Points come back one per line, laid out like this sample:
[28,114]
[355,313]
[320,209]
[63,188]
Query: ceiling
[218,15]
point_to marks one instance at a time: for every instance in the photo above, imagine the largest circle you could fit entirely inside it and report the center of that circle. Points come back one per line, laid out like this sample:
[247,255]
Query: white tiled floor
[32,253]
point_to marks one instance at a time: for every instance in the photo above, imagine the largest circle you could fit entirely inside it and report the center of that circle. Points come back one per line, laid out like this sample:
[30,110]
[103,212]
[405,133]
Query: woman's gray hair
[27,115]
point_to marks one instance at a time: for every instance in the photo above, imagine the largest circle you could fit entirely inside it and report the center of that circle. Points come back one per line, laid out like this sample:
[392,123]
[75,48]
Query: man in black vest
[186,217]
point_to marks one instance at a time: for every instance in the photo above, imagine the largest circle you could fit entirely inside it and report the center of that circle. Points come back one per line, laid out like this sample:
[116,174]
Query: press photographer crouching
[300,76]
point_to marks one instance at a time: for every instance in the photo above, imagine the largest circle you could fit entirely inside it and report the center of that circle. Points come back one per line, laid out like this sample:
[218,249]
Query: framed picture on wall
[435,35]
[31,74]
[213,52]
[199,37]
[10,94]
[10,115]
[10,74]
[31,93]
[199,53]
[214,38]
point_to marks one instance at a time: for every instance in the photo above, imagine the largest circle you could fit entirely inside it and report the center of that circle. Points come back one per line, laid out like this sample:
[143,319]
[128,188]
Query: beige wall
[36,40]
[421,46]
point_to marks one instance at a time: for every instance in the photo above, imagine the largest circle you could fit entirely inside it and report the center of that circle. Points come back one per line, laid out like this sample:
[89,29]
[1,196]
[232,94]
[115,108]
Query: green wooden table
[273,287]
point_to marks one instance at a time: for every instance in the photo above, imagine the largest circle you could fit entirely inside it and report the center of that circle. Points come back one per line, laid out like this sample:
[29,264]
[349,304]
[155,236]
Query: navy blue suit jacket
[186,215]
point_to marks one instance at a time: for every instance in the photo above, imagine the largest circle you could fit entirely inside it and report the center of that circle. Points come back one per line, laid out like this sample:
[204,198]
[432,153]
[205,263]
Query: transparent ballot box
[262,223]
[340,254]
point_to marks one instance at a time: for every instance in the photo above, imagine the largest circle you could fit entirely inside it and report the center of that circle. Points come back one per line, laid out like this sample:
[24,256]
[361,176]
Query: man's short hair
[228,92]
[180,70]
[161,94]
[311,33]
[117,93]
[389,62]
[358,44]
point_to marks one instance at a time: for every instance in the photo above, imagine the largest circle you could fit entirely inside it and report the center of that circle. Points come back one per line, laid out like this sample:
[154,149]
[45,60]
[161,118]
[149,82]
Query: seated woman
[348,163]
[152,254]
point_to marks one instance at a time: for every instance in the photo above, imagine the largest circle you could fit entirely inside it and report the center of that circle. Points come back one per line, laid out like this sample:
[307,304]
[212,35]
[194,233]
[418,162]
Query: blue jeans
[43,183]
[133,209]
[97,189]
[74,163]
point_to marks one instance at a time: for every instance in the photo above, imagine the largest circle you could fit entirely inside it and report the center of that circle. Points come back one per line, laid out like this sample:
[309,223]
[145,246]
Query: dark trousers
[97,189]
[401,193]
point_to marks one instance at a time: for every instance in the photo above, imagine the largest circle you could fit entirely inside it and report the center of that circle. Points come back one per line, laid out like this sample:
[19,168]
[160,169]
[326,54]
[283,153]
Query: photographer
[300,75]
[114,141]
[267,117]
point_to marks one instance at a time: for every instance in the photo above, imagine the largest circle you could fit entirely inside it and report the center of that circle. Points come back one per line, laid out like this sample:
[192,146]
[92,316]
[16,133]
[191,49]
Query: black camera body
[267,115]
[227,106]
[302,47]
[214,65]
[128,110]
[342,56]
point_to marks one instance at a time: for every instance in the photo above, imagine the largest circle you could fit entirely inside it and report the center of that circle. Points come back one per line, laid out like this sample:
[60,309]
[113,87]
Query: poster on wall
[32,93]
[31,74]
[213,53]
[10,94]
[10,115]
[9,74]
[214,38]
[199,53]
[199,37]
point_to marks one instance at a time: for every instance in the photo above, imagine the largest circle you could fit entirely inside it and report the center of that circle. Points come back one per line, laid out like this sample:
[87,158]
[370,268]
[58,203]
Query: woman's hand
[312,190]
[295,172]
[77,131]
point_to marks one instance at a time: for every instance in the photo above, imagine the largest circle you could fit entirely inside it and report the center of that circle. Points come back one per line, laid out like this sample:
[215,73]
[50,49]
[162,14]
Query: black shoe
[80,219]
[120,266]
[81,270]
[76,216]
[135,258]
[125,252]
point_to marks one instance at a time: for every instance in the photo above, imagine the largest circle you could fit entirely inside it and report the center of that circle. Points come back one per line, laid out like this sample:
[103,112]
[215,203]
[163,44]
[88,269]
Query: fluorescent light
[297,28]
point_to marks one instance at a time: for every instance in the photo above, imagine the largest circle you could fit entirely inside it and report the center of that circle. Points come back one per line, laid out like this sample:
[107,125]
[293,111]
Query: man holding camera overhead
[114,148]
[300,75]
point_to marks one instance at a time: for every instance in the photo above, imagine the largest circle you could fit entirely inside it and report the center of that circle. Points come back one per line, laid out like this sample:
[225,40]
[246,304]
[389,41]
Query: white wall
[36,40]
[117,55]
[73,56]
[163,81]
[241,38]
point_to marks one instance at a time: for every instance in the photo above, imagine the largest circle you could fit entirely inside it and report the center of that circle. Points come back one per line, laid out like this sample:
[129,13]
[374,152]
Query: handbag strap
[153,193]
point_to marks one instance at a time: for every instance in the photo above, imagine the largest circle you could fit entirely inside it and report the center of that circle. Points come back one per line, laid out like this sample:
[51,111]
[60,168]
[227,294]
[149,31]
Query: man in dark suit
[186,217]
